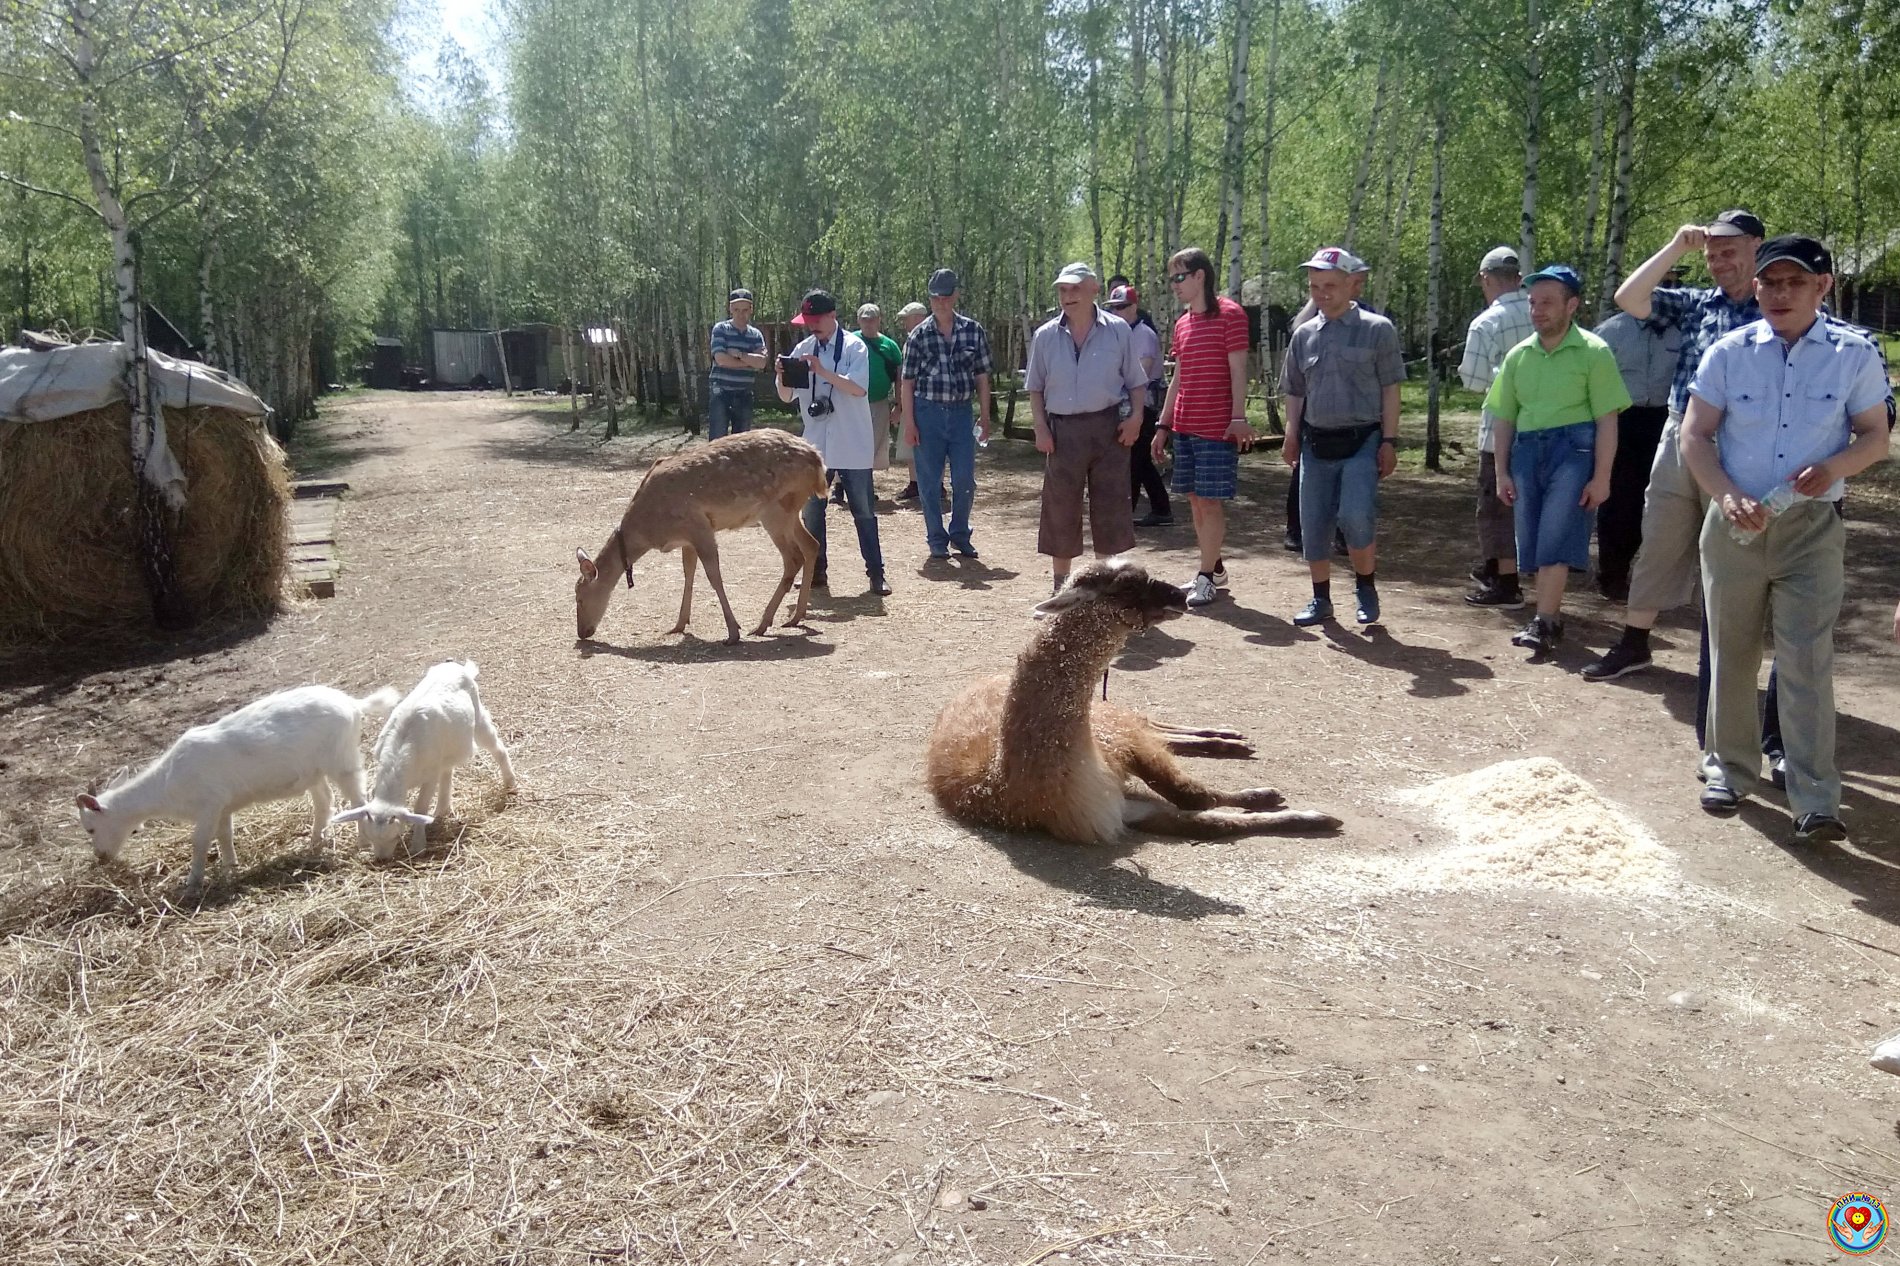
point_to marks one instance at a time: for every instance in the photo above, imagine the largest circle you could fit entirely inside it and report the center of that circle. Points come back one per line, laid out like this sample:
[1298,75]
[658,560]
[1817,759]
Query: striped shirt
[1204,394]
[726,337]
[945,369]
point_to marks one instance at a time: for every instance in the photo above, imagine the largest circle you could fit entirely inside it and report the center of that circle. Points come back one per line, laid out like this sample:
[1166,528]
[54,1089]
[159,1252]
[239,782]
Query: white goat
[283,745]
[432,731]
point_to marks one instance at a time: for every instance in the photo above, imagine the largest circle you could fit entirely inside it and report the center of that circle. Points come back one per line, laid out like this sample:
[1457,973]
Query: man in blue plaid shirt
[1663,575]
[946,377]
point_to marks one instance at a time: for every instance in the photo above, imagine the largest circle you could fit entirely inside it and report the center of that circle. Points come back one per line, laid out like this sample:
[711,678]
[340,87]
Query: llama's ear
[1061,600]
[90,801]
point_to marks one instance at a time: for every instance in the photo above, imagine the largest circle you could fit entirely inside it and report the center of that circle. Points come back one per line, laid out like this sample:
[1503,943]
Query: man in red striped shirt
[1206,410]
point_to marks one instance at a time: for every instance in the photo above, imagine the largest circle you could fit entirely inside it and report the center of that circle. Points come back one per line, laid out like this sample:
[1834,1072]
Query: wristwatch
[1393,440]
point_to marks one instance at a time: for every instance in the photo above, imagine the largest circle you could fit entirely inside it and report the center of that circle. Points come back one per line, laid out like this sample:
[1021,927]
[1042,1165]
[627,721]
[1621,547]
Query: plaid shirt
[945,370]
[1493,332]
[1703,316]
[1341,368]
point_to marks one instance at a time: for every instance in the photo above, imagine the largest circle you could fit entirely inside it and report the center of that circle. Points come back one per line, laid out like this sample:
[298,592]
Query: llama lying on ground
[1028,752]
[762,477]
[283,745]
[434,729]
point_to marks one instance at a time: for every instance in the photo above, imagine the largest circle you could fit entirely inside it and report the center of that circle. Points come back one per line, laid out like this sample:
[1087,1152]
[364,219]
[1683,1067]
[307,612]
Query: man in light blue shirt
[1781,413]
[1081,364]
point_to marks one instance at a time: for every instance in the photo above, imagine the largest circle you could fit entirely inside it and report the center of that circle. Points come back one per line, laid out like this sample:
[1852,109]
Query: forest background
[285,187]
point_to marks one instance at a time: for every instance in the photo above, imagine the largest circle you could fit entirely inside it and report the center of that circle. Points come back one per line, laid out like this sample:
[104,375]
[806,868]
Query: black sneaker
[1614,588]
[1499,597]
[819,580]
[1819,828]
[837,493]
[1540,635]
[1484,571]
[1778,770]
[1155,520]
[1292,543]
[909,493]
[1619,661]
[1722,802]
[880,587]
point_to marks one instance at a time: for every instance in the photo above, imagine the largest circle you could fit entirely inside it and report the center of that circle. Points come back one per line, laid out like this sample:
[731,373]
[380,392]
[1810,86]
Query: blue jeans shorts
[1342,494]
[1551,468]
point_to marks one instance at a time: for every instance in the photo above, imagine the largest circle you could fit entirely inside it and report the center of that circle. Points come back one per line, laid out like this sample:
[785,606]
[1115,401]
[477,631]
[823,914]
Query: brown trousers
[1089,458]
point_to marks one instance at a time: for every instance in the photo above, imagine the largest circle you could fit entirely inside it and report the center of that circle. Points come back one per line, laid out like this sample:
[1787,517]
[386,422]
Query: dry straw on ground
[69,565]
[478,1057]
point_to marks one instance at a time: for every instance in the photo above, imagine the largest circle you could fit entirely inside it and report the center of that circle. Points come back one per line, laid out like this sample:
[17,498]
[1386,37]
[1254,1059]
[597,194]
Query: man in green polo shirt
[887,358]
[1555,399]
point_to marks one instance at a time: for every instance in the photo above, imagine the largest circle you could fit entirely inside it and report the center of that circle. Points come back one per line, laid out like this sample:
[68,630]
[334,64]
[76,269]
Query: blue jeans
[946,431]
[728,413]
[1550,468]
[859,496]
[1342,494]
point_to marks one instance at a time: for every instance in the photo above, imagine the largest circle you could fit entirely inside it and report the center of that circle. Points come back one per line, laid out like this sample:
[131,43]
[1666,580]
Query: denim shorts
[1204,467]
[1342,494]
[1551,468]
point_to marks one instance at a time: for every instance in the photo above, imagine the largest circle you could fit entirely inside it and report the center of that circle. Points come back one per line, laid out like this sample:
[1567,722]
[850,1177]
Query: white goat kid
[437,727]
[286,744]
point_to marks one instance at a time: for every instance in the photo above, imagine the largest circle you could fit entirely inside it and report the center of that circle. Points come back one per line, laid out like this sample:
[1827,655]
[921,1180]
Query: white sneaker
[1220,574]
[1200,591]
[1886,1056]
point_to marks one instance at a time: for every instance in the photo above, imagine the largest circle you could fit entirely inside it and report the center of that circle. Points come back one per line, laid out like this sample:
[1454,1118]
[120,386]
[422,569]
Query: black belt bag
[1337,443]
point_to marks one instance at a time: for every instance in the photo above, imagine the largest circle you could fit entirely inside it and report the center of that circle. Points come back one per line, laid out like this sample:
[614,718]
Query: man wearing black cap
[946,385]
[738,353]
[1781,413]
[1144,475]
[1663,575]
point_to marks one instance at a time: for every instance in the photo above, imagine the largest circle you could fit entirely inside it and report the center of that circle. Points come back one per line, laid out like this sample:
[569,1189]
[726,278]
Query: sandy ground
[1345,1049]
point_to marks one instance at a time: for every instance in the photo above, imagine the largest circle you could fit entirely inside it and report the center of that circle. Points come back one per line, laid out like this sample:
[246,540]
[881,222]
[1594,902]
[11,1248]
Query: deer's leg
[689,559]
[776,523]
[807,546]
[1208,824]
[1150,762]
[709,559]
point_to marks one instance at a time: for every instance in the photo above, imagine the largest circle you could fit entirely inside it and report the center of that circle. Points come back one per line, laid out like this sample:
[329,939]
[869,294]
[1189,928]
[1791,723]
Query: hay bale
[69,566]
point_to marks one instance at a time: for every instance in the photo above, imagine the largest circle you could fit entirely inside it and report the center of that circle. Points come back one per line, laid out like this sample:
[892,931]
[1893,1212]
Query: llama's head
[1123,588]
[591,596]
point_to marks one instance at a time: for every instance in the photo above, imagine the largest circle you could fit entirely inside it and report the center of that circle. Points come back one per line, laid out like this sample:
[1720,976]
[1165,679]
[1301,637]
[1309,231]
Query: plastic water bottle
[977,431]
[1774,505]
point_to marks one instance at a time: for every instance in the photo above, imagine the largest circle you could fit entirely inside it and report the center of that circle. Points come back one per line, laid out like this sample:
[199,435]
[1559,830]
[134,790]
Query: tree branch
[30,187]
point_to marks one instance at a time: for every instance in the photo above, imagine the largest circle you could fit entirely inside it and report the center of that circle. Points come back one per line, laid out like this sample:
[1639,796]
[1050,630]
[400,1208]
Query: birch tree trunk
[1434,265]
[1269,360]
[1599,94]
[1138,85]
[1533,139]
[1618,232]
[1231,175]
[1358,196]
[1395,227]
[1170,71]
[160,486]
[1094,102]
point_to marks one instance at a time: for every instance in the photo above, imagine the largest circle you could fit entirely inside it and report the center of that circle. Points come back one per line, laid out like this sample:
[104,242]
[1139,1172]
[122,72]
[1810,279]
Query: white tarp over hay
[41,386]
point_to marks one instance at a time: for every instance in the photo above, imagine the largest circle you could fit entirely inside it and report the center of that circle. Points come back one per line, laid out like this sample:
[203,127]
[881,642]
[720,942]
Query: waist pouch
[1336,444]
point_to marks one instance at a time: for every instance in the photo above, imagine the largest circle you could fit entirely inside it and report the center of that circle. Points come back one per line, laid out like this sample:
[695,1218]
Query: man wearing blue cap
[1782,412]
[946,381]
[1555,403]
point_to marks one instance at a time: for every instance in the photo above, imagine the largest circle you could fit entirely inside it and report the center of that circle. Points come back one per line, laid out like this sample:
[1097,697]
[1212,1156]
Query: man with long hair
[1206,410]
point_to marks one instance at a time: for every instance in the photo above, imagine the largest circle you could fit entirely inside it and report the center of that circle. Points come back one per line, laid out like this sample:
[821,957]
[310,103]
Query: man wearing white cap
[1081,363]
[1342,376]
[1504,323]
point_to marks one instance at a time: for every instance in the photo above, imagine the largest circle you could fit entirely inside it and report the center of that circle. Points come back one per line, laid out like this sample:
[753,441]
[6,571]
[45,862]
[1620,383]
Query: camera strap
[837,359]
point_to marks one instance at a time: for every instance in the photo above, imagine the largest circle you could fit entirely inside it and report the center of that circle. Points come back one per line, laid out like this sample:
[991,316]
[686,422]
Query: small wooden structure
[313,561]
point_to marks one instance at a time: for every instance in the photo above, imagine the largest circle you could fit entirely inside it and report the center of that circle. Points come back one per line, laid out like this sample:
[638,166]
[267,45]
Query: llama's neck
[1056,677]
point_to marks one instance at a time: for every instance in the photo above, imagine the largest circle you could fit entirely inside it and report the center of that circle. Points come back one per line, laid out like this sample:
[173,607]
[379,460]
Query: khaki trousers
[1663,575]
[1792,576]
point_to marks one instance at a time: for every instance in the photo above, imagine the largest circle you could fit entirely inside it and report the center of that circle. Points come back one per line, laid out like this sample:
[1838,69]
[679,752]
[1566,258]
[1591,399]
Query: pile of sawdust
[1533,823]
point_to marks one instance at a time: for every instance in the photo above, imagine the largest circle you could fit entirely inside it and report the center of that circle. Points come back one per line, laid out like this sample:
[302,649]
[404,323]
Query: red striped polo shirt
[1204,403]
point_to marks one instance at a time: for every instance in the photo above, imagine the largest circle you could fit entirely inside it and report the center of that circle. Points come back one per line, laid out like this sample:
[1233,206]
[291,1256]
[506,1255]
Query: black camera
[794,372]
[819,408]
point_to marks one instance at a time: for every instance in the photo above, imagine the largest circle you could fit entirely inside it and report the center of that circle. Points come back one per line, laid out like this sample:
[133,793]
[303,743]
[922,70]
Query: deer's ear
[589,572]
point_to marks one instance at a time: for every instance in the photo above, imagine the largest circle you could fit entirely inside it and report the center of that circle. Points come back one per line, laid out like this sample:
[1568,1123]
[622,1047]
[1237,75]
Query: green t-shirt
[886,359]
[1538,390]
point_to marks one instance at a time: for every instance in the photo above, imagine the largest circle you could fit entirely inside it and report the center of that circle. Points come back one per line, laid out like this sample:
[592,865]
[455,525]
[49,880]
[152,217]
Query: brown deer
[1031,752]
[762,476]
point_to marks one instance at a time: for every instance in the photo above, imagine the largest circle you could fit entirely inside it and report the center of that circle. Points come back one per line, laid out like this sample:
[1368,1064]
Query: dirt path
[1360,1048]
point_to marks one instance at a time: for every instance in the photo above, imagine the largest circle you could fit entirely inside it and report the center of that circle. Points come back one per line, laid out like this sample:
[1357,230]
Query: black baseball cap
[740,293]
[1805,251]
[1737,223]
[817,303]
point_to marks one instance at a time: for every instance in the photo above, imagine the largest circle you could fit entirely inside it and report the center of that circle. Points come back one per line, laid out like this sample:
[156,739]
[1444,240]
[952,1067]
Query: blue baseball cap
[1563,274]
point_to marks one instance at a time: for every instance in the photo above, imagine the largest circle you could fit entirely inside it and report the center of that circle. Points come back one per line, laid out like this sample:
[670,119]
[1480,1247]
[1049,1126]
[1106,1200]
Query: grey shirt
[1089,378]
[1647,353]
[1342,367]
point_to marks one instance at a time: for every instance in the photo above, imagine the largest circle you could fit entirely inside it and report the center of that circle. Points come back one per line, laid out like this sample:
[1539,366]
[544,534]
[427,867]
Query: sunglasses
[1178,278]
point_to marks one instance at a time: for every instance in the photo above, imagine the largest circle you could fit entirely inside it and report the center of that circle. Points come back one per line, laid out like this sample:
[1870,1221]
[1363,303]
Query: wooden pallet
[313,561]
